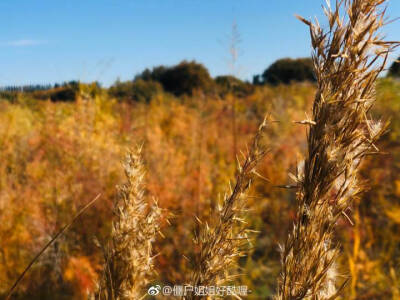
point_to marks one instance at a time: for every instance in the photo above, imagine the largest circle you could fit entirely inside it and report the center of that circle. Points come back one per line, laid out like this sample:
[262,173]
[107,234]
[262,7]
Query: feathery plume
[128,257]
[348,57]
[223,242]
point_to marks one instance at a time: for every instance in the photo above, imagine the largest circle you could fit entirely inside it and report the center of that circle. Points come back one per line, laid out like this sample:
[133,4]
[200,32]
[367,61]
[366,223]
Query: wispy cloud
[24,43]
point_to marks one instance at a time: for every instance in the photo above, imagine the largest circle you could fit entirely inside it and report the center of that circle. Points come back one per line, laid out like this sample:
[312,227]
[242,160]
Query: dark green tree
[257,80]
[394,70]
[187,77]
[137,90]
[287,70]
[181,79]
[65,93]
[230,84]
[155,74]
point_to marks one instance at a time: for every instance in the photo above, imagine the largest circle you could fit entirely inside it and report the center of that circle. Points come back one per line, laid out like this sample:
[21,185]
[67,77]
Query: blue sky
[45,41]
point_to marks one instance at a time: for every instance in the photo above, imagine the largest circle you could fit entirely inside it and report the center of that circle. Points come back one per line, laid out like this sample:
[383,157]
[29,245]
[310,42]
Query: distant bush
[287,70]
[137,90]
[156,74]
[10,96]
[394,70]
[183,78]
[230,84]
[67,91]
[63,94]
[27,88]
[187,77]
[257,80]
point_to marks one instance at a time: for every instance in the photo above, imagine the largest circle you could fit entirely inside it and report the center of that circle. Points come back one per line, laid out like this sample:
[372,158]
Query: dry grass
[128,257]
[223,241]
[47,246]
[348,57]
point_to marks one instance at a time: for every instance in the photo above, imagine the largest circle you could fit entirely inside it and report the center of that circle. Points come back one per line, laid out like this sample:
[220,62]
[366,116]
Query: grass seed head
[128,257]
[347,57]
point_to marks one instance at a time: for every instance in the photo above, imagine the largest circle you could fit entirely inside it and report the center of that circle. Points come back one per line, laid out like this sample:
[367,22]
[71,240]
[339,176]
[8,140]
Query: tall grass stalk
[348,57]
[128,257]
[223,241]
[51,242]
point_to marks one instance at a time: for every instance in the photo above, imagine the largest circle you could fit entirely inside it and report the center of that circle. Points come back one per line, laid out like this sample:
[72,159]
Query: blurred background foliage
[62,145]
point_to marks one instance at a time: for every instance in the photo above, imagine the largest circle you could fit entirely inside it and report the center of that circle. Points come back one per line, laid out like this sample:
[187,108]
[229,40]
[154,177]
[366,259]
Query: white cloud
[24,43]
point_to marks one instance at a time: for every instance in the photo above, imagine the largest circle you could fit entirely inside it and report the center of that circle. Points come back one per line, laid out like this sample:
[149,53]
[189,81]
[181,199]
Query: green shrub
[138,90]
[230,84]
[183,78]
[187,77]
[394,70]
[155,74]
[287,70]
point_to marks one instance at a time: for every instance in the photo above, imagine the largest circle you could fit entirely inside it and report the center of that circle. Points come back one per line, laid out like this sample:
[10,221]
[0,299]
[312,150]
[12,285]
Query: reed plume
[348,57]
[223,241]
[128,257]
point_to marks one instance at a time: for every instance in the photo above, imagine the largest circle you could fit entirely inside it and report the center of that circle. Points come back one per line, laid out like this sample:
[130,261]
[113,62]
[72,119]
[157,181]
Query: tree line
[185,78]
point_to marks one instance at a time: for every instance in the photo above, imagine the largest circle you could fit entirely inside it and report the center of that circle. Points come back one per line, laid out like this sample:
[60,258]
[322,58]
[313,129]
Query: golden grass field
[193,189]
[55,157]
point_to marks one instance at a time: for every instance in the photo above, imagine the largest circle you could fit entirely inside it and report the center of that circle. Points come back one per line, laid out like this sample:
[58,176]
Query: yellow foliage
[82,275]
[397,188]
[54,157]
[394,214]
